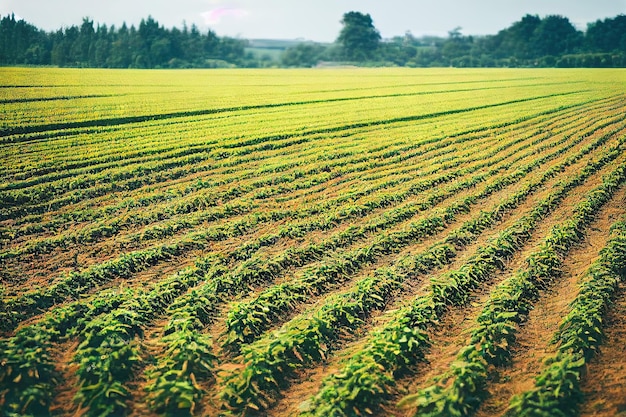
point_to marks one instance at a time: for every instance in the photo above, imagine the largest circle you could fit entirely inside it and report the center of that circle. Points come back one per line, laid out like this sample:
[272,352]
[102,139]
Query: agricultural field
[314,243]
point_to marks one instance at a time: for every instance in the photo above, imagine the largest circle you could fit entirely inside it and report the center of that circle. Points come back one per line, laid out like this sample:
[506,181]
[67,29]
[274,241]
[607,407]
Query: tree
[358,37]
[608,35]
[556,36]
[516,40]
[302,55]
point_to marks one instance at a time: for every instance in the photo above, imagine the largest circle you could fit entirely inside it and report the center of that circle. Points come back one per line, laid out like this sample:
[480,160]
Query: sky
[317,20]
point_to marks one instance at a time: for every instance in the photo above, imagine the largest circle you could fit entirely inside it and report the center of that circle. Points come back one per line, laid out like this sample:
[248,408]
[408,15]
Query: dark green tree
[302,55]
[556,36]
[608,35]
[358,38]
[517,40]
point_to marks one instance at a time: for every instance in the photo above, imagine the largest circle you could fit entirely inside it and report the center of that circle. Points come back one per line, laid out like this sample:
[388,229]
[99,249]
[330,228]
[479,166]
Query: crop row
[365,381]
[130,357]
[204,304]
[77,283]
[28,370]
[82,194]
[509,303]
[108,229]
[247,320]
[188,205]
[251,318]
[138,176]
[270,357]
[191,312]
[557,387]
[211,184]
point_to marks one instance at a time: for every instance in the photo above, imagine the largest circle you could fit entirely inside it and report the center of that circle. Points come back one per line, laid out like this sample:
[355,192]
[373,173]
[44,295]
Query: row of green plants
[197,310]
[130,353]
[27,370]
[196,202]
[69,287]
[77,283]
[108,213]
[119,342]
[388,219]
[422,206]
[112,335]
[492,338]
[270,361]
[93,164]
[175,204]
[272,358]
[110,352]
[129,180]
[557,389]
[50,196]
[131,357]
[107,231]
[368,377]
[124,266]
[248,320]
[112,227]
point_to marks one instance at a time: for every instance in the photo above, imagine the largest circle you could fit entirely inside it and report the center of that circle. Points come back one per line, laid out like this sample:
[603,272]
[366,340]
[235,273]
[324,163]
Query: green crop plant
[495,333]
[557,388]
[218,242]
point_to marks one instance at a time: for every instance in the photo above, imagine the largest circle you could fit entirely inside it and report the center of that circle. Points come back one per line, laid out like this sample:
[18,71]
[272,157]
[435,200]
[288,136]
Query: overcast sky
[317,20]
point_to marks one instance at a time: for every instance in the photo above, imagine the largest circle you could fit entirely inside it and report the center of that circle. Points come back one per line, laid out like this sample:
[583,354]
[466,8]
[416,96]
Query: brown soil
[453,331]
[63,403]
[311,378]
[604,384]
[533,345]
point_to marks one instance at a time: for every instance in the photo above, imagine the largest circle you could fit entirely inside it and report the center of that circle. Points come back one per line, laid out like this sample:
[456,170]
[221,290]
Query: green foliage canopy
[358,37]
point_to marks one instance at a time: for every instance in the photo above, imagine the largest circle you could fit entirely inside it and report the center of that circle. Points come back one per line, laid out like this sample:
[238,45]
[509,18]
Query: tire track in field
[56,98]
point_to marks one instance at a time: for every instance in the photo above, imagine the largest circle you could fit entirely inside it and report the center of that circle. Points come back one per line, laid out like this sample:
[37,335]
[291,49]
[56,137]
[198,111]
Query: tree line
[148,46]
[551,41]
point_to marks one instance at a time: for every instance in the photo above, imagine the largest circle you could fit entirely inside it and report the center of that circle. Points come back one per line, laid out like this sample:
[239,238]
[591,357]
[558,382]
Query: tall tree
[556,36]
[517,40]
[358,37]
[608,35]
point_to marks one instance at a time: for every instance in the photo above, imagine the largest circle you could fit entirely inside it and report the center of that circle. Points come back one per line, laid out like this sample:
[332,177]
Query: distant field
[329,242]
